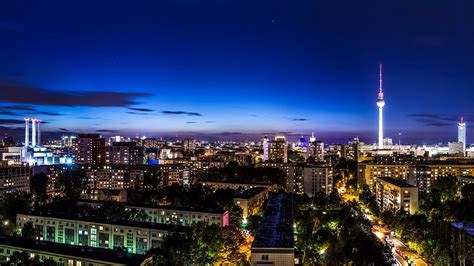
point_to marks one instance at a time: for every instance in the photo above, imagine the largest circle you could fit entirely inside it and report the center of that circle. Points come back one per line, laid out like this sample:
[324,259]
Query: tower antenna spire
[380,78]
[380,104]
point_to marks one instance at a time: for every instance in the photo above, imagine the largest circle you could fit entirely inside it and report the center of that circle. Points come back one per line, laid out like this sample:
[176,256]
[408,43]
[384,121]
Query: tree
[38,186]
[174,250]
[253,222]
[28,231]
[208,243]
[467,192]
[446,186]
[13,203]
[19,258]
[71,182]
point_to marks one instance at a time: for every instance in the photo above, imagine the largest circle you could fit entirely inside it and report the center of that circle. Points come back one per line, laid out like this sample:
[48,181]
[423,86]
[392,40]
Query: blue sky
[238,68]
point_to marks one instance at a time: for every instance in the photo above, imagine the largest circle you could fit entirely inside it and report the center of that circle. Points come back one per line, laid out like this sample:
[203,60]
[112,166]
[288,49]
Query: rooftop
[276,228]
[99,220]
[251,192]
[106,255]
[468,227]
[164,207]
[398,183]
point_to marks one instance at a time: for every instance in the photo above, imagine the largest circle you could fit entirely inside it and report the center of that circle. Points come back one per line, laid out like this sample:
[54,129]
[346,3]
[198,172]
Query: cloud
[191,122]
[24,109]
[12,121]
[140,109]
[63,129]
[38,96]
[226,133]
[180,113]
[19,108]
[254,115]
[106,131]
[10,113]
[49,113]
[136,113]
[438,120]
[299,119]
[211,121]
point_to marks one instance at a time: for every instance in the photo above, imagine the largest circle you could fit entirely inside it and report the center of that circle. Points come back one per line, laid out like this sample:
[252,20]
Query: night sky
[238,69]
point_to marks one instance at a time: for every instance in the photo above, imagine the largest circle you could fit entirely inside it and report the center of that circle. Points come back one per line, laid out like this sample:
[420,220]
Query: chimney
[33,127]
[39,132]
[27,131]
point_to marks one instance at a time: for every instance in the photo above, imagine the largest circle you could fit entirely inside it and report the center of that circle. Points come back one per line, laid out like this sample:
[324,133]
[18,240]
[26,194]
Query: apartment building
[395,195]
[135,237]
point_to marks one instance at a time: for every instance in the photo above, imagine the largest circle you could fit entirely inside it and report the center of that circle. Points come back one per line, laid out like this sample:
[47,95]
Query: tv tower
[380,104]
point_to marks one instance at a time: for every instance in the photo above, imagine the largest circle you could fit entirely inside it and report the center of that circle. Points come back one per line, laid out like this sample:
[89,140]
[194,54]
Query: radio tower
[380,104]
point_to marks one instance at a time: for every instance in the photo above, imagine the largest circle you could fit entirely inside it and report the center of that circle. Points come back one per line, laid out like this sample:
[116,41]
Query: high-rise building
[275,151]
[66,141]
[380,104]
[152,143]
[124,153]
[315,149]
[462,133]
[265,148]
[189,145]
[317,179]
[89,149]
[395,195]
[456,148]
[14,179]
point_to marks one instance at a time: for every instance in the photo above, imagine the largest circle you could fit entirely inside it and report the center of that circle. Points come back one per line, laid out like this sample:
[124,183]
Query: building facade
[317,179]
[89,149]
[394,195]
[14,179]
[135,237]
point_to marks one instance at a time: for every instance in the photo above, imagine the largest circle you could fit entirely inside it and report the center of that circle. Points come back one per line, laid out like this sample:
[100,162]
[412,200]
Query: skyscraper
[462,133]
[275,151]
[89,149]
[380,104]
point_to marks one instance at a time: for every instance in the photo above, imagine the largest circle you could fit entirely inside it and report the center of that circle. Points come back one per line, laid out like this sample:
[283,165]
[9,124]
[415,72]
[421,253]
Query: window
[264,257]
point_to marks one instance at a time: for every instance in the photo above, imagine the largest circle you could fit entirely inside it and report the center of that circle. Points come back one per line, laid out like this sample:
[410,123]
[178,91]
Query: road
[400,251]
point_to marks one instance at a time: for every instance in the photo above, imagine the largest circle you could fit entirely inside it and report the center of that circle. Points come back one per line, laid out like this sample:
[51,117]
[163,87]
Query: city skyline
[237,71]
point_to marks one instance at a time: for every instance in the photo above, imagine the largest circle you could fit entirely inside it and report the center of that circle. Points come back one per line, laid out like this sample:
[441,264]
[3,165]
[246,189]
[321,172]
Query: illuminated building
[294,179]
[456,148]
[89,149]
[178,215]
[275,151]
[380,104]
[395,195]
[235,186]
[274,240]
[152,143]
[136,237]
[369,172]
[124,153]
[251,200]
[462,133]
[36,154]
[14,179]
[463,181]
[66,141]
[63,254]
[117,195]
[317,179]
[189,145]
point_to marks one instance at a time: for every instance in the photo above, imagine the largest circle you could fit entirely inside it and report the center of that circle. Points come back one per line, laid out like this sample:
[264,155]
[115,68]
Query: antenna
[380,78]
